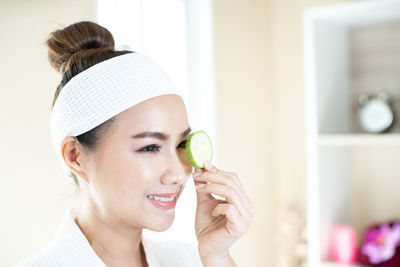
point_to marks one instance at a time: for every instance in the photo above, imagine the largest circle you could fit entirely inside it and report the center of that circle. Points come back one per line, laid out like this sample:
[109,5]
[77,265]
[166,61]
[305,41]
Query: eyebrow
[158,135]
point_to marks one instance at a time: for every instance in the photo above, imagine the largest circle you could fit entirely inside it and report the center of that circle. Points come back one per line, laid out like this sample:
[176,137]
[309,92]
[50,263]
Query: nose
[176,171]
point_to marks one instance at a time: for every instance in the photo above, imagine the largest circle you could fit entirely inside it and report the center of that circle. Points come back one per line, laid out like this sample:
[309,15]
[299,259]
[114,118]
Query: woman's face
[131,164]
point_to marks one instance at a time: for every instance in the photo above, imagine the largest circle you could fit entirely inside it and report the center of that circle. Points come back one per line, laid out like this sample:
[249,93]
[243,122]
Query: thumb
[201,195]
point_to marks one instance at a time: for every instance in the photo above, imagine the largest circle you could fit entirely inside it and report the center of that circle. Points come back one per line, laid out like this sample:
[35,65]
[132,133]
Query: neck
[114,242]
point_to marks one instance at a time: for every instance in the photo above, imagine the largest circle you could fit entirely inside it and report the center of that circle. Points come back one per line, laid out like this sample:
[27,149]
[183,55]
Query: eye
[182,144]
[150,148]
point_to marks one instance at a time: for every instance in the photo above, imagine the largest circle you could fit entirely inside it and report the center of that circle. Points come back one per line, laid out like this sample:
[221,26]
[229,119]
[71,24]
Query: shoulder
[175,252]
[69,247]
[45,257]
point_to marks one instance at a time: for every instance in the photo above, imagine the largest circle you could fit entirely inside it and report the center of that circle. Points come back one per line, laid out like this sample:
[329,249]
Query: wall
[27,86]
[261,115]
[245,121]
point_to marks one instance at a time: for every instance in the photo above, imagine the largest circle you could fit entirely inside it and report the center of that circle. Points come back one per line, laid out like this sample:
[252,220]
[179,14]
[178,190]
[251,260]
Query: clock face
[376,116]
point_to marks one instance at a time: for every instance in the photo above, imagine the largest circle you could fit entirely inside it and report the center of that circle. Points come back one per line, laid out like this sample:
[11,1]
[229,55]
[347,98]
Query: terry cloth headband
[102,91]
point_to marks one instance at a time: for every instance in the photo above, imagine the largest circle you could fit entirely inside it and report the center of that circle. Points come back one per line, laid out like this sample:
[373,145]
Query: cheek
[116,165]
[185,161]
[125,177]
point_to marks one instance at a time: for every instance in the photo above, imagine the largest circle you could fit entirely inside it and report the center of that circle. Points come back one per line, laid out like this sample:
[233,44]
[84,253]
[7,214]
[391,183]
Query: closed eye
[182,144]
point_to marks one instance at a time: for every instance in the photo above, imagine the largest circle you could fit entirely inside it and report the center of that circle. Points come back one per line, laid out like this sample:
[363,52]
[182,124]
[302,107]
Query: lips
[165,195]
[163,201]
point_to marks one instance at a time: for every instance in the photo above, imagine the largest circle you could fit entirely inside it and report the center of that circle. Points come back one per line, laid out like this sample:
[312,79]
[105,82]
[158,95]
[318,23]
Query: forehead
[162,113]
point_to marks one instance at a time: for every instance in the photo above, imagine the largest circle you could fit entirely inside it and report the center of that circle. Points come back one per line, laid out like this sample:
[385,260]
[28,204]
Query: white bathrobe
[71,248]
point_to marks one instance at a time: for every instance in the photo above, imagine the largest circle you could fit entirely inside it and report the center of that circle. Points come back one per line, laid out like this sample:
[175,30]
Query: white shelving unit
[358,140]
[331,264]
[352,177]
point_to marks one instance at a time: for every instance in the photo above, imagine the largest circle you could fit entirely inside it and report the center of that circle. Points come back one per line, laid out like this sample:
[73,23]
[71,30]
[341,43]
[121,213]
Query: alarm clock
[375,113]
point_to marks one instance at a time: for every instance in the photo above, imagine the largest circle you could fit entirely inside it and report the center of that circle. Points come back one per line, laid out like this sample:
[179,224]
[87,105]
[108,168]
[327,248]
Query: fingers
[235,226]
[231,195]
[230,175]
[203,197]
[209,167]
[215,176]
[228,192]
[220,178]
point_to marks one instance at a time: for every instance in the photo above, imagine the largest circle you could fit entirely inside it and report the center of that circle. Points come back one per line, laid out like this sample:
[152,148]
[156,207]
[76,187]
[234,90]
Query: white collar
[76,247]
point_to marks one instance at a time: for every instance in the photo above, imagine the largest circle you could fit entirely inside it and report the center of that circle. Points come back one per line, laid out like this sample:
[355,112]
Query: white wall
[33,192]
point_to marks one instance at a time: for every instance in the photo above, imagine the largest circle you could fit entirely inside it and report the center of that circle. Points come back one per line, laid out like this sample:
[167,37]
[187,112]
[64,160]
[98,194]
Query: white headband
[102,91]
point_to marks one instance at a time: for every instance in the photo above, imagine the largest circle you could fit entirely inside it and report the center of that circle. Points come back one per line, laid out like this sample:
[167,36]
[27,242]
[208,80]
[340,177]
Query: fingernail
[208,165]
[200,186]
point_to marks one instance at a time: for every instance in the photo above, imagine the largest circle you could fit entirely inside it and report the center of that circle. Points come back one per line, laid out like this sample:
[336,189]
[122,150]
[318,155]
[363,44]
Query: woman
[119,127]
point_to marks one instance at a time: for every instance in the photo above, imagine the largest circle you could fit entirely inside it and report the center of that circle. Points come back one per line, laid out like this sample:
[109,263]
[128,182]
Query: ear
[74,157]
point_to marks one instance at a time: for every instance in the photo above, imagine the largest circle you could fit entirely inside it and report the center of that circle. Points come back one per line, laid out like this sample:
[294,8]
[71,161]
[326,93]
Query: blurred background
[299,97]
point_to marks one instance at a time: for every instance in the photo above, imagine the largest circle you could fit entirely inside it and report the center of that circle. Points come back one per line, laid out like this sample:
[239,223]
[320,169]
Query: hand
[219,223]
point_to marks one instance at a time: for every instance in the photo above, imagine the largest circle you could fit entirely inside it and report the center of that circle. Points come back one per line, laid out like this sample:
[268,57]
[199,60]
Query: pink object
[343,244]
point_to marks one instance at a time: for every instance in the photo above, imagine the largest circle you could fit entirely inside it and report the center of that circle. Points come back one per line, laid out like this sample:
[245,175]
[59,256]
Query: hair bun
[78,40]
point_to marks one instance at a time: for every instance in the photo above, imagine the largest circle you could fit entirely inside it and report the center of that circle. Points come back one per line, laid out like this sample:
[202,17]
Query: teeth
[164,199]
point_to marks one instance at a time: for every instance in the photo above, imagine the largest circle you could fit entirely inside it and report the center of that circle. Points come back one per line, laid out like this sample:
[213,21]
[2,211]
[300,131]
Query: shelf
[348,171]
[332,264]
[326,140]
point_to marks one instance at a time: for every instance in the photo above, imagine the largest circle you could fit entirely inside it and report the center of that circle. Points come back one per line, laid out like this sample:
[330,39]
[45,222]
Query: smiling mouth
[161,198]
[163,202]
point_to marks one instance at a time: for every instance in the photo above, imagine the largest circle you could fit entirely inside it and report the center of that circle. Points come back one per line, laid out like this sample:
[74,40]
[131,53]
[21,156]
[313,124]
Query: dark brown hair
[74,49]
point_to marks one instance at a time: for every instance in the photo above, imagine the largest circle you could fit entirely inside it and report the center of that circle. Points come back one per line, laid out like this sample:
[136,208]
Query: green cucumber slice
[199,148]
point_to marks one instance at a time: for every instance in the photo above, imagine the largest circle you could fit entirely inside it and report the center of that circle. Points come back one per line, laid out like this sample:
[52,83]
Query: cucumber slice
[199,148]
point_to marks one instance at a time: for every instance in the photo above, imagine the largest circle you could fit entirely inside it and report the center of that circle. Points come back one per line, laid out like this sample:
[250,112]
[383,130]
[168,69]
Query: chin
[158,225]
